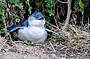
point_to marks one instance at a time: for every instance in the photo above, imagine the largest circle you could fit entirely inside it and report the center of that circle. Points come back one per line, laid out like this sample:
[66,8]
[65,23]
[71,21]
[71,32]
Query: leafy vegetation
[11,10]
[80,4]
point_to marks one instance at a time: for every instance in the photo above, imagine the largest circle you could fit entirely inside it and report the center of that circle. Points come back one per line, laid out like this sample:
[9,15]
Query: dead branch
[62,2]
[52,46]
[68,15]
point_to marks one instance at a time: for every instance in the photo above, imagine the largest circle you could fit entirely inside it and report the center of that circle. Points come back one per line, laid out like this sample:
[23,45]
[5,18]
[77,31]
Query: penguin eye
[41,18]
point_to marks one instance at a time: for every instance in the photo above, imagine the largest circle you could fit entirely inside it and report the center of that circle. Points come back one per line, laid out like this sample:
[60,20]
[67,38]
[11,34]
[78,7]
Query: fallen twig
[52,46]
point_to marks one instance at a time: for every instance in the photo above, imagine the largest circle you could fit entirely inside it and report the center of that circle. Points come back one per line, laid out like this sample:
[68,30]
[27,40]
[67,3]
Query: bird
[32,29]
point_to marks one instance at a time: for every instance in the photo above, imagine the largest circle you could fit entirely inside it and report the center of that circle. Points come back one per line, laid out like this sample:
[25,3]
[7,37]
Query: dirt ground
[19,50]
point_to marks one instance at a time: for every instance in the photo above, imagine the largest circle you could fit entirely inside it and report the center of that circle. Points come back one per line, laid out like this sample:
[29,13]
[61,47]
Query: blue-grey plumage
[35,32]
[32,29]
[37,15]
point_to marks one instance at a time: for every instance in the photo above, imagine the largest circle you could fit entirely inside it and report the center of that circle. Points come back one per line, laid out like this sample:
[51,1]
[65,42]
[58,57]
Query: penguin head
[32,21]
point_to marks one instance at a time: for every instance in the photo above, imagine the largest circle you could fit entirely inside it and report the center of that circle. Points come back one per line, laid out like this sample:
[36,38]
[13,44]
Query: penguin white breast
[34,34]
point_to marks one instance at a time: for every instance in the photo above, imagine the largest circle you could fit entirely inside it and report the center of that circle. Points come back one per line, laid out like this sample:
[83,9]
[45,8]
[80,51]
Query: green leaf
[27,1]
[19,5]
[38,5]
[48,21]
[76,2]
[29,9]
[45,11]
[1,13]
[14,12]
[1,19]
[1,5]
[81,5]
[47,1]
[11,1]
[48,6]
[86,4]
[15,17]
[6,16]
[82,10]
[50,12]
[2,31]
[16,1]
[75,7]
